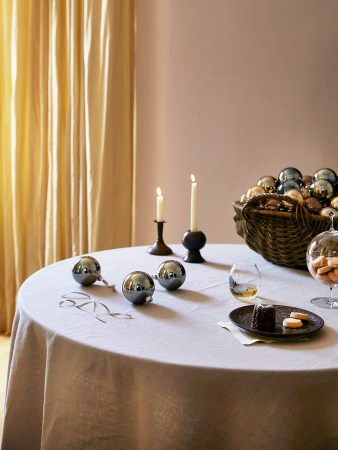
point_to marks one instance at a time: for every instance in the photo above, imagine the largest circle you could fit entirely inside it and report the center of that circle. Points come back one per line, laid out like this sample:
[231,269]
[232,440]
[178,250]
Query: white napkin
[247,338]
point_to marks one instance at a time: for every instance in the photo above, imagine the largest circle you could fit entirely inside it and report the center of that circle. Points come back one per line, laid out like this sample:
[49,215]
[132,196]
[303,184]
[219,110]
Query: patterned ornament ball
[170,274]
[86,270]
[138,288]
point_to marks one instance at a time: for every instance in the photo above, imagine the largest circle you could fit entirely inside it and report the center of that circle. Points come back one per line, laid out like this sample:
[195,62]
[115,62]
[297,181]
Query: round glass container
[322,262]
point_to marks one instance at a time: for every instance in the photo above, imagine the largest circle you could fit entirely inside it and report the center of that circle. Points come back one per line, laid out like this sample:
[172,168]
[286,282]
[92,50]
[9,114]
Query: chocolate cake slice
[263,317]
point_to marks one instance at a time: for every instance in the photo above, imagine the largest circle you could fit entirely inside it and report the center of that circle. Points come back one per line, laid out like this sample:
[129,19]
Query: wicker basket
[280,237]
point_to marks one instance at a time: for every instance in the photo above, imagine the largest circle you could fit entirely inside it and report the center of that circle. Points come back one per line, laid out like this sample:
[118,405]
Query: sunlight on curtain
[66,132]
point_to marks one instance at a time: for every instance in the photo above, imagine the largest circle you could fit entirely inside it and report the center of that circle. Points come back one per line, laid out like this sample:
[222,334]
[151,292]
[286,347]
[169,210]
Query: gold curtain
[66,134]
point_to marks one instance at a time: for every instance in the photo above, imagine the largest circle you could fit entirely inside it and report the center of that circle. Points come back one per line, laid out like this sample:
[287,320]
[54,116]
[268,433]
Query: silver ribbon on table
[72,299]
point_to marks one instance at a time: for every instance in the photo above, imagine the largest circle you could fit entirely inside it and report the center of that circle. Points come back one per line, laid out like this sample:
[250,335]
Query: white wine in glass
[244,281]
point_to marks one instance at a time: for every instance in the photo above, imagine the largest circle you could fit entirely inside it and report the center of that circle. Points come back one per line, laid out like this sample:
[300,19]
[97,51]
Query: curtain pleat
[66,144]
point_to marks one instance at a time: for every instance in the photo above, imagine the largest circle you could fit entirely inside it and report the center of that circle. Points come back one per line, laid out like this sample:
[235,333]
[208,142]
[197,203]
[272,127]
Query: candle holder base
[194,241]
[159,248]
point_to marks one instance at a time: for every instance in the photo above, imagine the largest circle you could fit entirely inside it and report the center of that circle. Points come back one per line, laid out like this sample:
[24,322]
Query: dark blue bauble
[287,185]
[290,173]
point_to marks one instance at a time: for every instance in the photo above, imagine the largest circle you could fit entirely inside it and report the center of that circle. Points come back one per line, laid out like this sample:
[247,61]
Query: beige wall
[229,90]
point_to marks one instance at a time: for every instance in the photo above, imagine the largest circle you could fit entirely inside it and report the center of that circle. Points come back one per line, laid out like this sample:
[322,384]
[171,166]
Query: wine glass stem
[331,299]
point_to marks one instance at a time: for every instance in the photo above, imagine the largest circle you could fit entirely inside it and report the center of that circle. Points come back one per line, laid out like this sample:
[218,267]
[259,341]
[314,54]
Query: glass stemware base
[325,302]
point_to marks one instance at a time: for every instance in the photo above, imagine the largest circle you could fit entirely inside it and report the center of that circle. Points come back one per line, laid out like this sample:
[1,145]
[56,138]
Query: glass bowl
[322,262]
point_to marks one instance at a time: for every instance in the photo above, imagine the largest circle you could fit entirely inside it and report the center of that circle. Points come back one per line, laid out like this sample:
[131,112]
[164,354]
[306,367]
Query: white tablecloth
[170,377]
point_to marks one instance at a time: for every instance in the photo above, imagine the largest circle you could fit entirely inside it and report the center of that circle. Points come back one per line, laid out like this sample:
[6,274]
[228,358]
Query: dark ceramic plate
[242,318]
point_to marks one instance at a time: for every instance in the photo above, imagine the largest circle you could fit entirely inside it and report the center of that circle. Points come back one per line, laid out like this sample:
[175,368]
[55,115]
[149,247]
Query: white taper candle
[159,202]
[193,216]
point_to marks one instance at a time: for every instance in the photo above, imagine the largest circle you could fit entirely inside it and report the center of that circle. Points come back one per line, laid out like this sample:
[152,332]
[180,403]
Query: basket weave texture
[280,237]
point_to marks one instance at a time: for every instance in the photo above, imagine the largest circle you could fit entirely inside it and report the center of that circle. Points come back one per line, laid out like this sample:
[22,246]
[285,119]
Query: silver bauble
[290,173]
[326,174]
[86,270]
[138,288]
[322,189]
[170,274]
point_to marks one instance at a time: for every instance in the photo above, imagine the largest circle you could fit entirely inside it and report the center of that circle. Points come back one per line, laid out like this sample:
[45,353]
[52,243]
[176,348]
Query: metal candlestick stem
[159,248]
[193,241]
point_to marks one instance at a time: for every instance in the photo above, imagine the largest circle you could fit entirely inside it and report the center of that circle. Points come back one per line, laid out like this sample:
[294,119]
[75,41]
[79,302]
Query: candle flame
[159,191]
[193,180]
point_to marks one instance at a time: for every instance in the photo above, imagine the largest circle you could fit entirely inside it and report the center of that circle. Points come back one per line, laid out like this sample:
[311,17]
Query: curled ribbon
[71,299]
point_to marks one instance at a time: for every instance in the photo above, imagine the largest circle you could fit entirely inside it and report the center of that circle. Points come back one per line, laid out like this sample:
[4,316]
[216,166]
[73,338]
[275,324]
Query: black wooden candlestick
[159,248]
[193,241]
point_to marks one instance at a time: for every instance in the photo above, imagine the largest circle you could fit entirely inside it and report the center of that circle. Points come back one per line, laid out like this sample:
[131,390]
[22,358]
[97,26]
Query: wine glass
[322,262]
[244,281]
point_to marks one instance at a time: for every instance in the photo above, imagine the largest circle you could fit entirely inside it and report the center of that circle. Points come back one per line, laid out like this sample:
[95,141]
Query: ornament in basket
[280,216]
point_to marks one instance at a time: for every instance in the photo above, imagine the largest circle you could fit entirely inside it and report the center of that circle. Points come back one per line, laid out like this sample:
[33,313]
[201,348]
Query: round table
[168,377]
